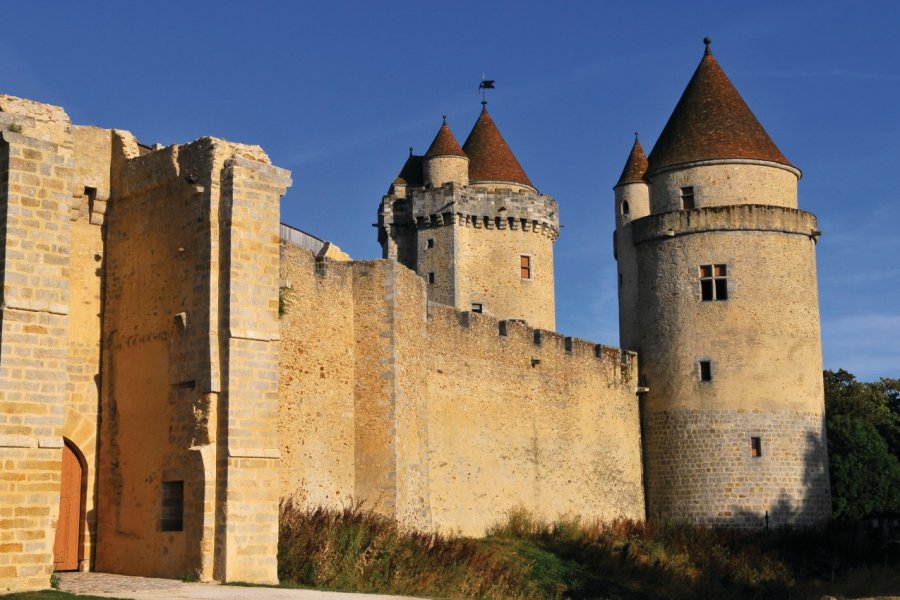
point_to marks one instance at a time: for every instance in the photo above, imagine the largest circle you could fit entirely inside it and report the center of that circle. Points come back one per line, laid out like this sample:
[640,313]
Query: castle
[174,362]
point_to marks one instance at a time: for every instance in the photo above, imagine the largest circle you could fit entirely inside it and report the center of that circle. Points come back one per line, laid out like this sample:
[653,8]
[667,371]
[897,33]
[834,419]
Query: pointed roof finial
[445,119]
[635,166]
[410,150]
[707,41]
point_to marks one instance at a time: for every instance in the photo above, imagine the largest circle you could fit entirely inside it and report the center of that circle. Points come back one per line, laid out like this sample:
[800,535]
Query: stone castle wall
[450,419]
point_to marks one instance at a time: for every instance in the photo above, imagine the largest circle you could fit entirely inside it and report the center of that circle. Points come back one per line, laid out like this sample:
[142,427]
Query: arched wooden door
[68,527]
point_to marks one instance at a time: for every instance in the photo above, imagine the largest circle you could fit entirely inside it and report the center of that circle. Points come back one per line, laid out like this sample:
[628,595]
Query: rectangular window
[429,243]
[525,266]
[171,516]
[431,277]
[477,307]
[713,282]
[755,447]
[705,370]
[687,198]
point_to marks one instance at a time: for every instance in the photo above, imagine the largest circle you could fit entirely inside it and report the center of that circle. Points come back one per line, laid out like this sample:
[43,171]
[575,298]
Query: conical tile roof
[711,121]
[635,166]
[411,173]
[490,158]
[444,143]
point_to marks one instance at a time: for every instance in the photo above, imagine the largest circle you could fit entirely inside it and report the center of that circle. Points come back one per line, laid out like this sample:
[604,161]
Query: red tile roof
[635,166]
[444,143]
[489,155]
[712,121]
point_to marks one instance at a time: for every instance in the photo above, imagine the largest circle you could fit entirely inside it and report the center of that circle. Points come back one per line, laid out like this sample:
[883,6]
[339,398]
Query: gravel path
[147,588]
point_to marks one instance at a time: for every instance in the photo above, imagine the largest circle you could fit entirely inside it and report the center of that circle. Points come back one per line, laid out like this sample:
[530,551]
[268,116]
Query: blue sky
[336,92]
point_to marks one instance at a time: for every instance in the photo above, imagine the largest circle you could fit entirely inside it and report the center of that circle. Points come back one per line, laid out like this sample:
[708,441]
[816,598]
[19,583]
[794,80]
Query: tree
[865,475]
[863,422]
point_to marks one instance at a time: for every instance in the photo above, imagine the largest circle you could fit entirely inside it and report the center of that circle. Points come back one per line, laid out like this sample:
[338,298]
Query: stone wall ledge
[741,217]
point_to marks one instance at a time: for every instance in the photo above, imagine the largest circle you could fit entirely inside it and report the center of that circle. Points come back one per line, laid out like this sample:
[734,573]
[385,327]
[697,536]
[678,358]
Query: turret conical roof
[490,158]
[411,173]
[635,166]
[444,143]
[711,121]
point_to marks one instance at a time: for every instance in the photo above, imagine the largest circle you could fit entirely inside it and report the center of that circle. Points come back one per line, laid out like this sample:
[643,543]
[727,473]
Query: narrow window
[705,370]
[503,328]
[687,197]
[431,277]
[755,447]
[625,207]
[429,243]
[171,517]
[620,280]
[525,266]
[713,282]
[477,307]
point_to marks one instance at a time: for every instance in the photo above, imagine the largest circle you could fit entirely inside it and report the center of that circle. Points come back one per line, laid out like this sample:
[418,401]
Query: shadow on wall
[812,508]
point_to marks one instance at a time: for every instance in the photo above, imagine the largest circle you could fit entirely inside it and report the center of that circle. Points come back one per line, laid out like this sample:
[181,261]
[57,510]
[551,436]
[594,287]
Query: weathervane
[486,84]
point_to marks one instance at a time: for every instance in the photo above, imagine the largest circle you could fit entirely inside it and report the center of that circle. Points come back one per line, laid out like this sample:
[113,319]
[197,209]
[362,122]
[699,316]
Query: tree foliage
[863,444]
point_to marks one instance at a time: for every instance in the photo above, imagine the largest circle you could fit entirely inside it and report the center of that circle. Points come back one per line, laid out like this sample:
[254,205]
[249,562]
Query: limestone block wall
[440,418]
[317,381]
[35,239]
[521,417]
[489,273]
[190,363]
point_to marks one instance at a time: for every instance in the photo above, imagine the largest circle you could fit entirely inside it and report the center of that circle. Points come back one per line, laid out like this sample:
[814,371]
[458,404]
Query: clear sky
[337,92]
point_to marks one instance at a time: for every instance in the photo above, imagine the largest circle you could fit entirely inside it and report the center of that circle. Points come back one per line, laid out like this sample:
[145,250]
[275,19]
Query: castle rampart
[457,417]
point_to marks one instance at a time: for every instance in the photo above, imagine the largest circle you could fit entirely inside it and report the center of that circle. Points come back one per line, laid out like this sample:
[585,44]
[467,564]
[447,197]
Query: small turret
[445,161]
[632,194]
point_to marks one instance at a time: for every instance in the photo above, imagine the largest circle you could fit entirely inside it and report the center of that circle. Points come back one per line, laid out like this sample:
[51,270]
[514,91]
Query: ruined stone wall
[453,422]
[91,190]
[35,240]
[190,363]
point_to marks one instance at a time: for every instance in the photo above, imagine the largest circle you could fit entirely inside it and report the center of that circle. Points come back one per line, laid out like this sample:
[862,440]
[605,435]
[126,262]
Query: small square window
[687,198]
[525,266]
[477,307]
[705,370]
[755,447]
[431,277]
[171,517]
[429,243]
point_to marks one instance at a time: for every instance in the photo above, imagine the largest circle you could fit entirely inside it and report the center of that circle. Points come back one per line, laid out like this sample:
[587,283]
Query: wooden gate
[68,527]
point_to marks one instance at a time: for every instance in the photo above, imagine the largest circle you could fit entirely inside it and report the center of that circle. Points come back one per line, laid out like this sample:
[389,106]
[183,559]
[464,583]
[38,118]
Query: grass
[523,558]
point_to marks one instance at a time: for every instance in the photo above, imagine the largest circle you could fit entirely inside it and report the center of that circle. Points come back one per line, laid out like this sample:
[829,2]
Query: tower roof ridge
[489,154]
[635,166]
[444,143]
[712,121]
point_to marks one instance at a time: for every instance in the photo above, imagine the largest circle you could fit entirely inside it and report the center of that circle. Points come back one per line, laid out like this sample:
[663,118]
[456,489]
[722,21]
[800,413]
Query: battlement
[534,345]
[475,207]
[740,217]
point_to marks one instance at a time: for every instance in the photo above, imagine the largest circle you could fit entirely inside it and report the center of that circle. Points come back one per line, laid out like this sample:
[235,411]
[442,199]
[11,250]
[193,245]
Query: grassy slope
[353,550]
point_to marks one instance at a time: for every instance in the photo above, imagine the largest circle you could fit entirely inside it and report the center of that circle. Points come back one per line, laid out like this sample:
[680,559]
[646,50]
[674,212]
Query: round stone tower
[471,223]
[718,295]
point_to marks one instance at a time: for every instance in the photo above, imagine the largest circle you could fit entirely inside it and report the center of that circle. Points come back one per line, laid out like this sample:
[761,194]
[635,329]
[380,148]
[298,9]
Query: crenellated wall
[448,419]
